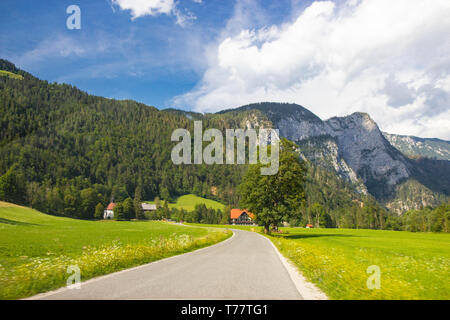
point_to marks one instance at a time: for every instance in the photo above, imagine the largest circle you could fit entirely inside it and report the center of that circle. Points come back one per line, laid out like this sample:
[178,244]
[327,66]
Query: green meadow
[412,265]
[12,75]
[36,249]
[189,201]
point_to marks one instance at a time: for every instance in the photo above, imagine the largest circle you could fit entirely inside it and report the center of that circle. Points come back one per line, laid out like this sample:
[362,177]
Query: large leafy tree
[275,198]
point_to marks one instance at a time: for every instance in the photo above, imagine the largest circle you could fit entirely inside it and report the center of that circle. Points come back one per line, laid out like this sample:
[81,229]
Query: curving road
[245,266]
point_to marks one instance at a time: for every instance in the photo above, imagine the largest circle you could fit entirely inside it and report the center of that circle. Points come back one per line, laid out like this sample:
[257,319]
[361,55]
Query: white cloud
[388,58]
[141,8]
[56,46]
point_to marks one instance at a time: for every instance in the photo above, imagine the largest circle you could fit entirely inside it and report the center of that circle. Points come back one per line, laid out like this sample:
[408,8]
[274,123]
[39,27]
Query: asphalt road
[245,266]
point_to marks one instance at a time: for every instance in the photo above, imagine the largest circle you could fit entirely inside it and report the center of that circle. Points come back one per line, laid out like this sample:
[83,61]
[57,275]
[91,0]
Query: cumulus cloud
[388,58]
[140,8]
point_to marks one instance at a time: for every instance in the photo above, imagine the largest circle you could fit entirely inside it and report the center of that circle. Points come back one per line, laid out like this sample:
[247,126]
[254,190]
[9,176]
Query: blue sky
[390,59]
[150,59]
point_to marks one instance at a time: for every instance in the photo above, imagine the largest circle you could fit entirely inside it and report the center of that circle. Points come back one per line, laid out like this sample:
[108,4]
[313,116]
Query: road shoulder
[306,289]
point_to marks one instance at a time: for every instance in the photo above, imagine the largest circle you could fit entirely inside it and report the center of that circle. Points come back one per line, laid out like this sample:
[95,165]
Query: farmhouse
[146,207]
[241,217]
[108,213]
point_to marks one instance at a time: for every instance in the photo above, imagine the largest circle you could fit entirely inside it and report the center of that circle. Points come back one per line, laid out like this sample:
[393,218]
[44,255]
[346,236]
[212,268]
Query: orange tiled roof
[236,213]
[111,206]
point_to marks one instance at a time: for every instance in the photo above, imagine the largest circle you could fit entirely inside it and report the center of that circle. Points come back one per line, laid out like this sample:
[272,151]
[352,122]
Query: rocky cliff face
[357,151]
[324,152]
[420,147]
[369,154]
[353,146]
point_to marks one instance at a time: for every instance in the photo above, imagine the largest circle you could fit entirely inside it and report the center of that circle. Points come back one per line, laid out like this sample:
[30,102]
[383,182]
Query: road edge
[63,289]
[307,289]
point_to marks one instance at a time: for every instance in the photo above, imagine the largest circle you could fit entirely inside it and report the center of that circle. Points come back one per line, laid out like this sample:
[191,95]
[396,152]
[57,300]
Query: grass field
[188,202]
[4,73]
[412,265]
[36,249]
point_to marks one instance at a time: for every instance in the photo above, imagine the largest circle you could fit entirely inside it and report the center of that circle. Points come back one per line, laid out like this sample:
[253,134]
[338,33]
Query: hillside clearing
[11,75]
[189,201]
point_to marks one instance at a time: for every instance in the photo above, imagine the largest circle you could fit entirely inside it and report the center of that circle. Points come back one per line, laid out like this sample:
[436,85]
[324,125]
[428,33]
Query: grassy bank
[412,265]
[36,249]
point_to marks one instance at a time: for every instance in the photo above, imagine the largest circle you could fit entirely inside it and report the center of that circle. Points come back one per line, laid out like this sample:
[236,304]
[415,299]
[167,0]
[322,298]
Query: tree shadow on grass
[16,223]
[306,236]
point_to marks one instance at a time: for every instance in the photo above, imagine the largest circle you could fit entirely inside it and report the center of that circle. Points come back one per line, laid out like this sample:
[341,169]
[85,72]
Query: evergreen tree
[12,186]
[225,215]
[182,216]
[119,213]
[99,208]
[165,195]
[166,210]
[128,209]
[139,213]
[157,202]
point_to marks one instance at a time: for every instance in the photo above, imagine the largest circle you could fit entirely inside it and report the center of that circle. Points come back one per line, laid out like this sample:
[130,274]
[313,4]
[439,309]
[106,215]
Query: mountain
[354,147]
[73,150]
[66,151]
[420,147]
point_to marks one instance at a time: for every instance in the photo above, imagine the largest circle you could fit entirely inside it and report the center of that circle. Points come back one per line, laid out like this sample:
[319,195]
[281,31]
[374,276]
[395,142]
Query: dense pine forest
[65,152]
[67,145]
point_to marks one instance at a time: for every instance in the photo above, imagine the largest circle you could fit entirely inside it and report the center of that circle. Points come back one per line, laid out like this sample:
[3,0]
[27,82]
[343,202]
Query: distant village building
[241,217]
[146,207]
[108,213]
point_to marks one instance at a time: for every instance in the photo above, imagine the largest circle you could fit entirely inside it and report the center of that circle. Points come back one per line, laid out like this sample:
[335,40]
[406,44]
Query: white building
[108,213]
[148,207]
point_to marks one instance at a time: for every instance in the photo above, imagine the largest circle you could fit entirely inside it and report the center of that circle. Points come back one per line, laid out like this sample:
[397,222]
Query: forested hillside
[71,147]
[63,151]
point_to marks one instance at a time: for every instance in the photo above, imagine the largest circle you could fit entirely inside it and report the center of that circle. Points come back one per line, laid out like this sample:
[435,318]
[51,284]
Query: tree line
[200,214]
[427,219]
[130,209]
[65,152]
